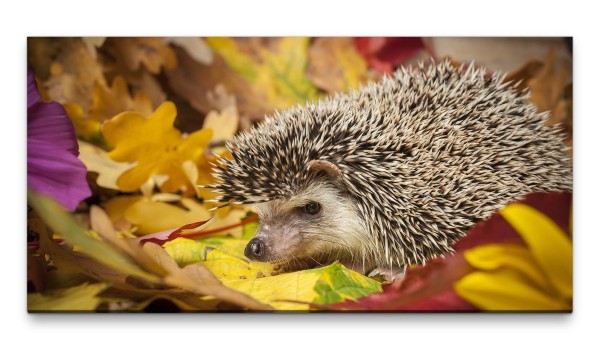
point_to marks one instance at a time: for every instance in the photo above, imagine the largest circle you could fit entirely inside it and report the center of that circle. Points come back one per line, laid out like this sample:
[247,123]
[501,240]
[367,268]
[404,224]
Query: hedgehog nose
[255,249]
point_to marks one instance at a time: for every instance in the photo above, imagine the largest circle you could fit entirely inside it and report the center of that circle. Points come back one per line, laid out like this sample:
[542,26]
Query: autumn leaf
[138,81]
[295,290]
[549,88]
[280,76]
[80,298]
[385,53]
[224,122]
[154,216]
[335,65]
[225,258]
[85,128]
[108,102]
[123,263]
[520,78]
[67,68]
[97,160]
[548,85]
[136,51]
[156,147]
[195,82]
[93,43]
[194,46]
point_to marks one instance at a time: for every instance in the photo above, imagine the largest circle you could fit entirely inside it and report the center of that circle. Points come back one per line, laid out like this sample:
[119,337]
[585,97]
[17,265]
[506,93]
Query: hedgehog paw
[390,274]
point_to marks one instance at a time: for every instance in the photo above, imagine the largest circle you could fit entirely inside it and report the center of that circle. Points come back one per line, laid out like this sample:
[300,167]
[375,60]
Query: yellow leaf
[223,124]
[280,76]
[272,290]
[96,160]
[116,207]
[109,102]
[223,256]
[235,59]
[549,245]
[156,147]
[79,298]
[328,284]
[154,216]
[85,128]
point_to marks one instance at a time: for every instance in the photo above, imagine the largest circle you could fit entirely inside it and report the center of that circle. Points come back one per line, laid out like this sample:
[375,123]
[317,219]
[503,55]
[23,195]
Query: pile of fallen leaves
[151,116]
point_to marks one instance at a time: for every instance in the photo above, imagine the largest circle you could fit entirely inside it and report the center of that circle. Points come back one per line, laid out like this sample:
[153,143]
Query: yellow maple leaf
[156,146]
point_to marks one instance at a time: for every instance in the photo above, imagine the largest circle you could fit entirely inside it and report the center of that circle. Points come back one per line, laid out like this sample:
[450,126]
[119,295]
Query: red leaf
[163,237]
[385,53]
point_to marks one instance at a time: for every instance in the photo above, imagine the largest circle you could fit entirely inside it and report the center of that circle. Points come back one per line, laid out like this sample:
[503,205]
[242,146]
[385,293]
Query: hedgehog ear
[332,170]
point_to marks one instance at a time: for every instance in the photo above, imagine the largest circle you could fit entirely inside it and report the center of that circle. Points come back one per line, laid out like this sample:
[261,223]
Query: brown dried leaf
[521,77]
[547,86]
[194,46]
[198,279]
[135,51]
[93,43]
[102,224]
[197,82]
[550,89]
[67,68]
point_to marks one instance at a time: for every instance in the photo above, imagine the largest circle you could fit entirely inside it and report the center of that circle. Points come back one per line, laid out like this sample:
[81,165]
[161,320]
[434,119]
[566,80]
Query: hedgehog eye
[312,207]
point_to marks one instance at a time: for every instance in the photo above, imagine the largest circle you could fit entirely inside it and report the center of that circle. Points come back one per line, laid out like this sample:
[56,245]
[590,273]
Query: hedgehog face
[318,224]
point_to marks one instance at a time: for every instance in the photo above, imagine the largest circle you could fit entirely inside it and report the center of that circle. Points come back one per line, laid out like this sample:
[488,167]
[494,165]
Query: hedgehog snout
[256,249]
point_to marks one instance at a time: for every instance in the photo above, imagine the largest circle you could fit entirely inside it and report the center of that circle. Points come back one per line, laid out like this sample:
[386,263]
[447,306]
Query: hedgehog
[391,174]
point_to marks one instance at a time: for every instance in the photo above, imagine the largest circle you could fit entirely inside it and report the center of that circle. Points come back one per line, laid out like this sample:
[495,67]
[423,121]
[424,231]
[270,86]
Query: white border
[314,18]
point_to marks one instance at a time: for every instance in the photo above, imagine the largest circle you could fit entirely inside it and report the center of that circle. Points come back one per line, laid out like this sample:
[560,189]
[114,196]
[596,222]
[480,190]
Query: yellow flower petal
[549,245]
[505,290]
[496,256]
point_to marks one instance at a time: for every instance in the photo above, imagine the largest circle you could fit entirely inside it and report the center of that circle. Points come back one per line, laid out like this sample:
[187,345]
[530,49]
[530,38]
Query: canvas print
[304,174]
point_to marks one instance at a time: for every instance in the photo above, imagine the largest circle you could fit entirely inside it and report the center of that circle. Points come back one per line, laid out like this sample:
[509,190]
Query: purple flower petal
[48,121]
[33,94]
[52,164]
[53,171]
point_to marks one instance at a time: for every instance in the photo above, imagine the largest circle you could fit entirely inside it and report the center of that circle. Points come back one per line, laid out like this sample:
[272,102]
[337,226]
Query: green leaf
[338,283]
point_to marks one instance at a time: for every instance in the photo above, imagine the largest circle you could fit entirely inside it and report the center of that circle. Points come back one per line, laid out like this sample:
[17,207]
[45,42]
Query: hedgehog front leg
[391,274]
